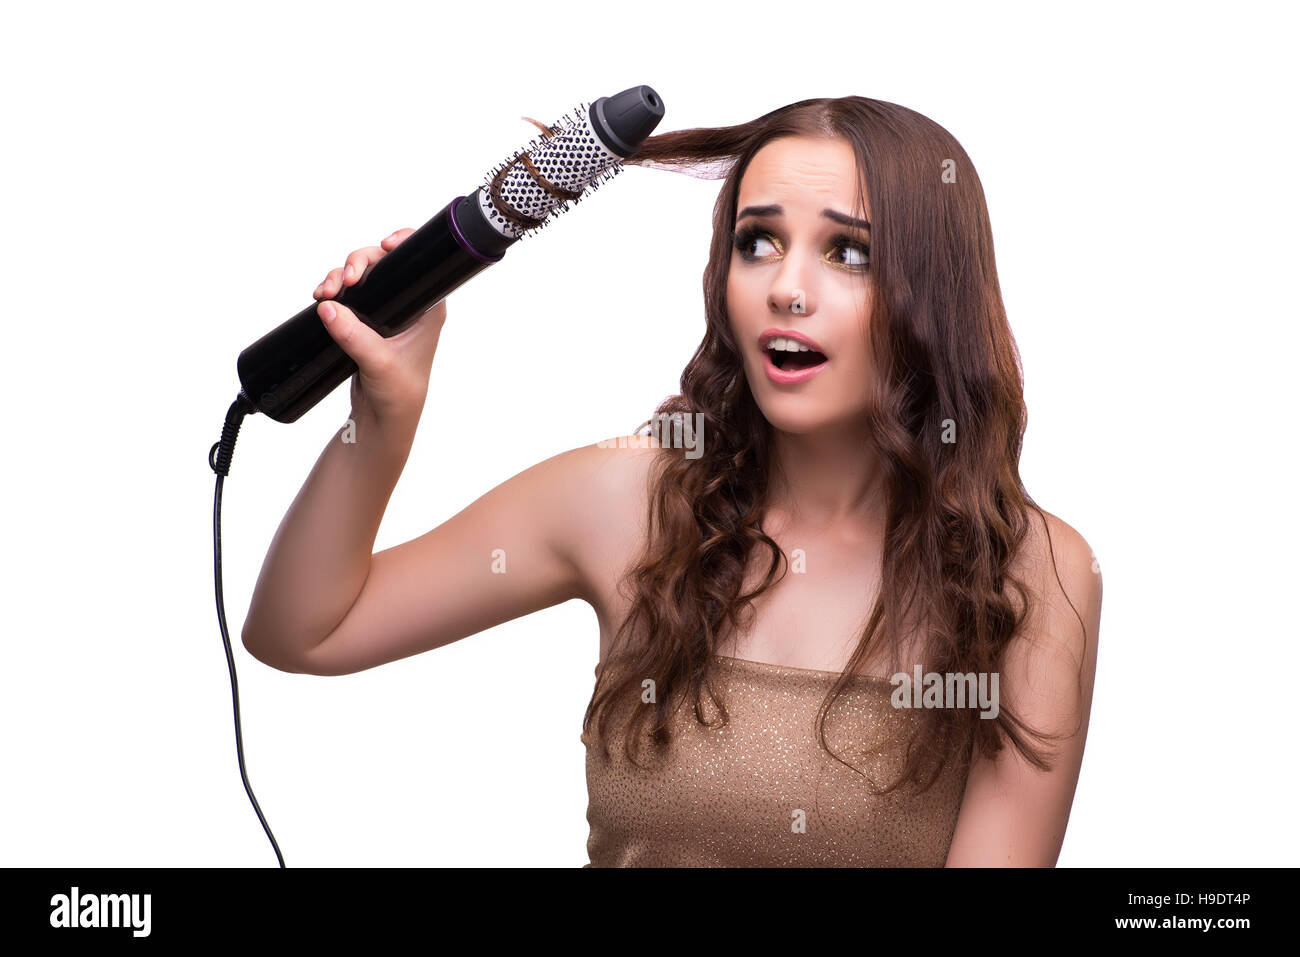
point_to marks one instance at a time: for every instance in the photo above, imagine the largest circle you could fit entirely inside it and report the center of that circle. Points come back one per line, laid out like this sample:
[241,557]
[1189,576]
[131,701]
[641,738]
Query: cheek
[735,293]
[739,309]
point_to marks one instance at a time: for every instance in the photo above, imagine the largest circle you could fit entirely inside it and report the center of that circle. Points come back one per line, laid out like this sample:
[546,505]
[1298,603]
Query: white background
[178,179]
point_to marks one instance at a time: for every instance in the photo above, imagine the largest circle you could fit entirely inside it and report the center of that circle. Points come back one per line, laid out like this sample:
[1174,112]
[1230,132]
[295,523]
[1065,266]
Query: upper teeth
[780,343]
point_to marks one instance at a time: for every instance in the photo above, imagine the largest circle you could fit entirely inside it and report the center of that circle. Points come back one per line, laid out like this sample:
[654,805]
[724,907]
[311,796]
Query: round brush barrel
[297,364]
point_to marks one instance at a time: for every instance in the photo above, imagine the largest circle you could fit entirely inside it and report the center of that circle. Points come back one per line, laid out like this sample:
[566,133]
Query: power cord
[219,459]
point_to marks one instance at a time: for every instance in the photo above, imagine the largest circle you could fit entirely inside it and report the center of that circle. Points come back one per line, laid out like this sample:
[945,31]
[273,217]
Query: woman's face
[798,250]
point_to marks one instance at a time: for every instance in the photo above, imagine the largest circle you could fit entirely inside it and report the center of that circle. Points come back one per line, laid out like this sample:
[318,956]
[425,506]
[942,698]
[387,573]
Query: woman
[858,410]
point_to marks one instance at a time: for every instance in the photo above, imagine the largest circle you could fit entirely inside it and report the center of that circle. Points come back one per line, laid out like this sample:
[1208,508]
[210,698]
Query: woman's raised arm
[325,605]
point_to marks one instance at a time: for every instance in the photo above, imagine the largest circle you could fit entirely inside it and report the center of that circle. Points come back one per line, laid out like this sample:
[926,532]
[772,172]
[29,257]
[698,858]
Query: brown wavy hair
[957,512]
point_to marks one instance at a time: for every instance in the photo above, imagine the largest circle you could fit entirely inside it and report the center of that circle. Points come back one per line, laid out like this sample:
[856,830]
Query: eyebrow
[775,210]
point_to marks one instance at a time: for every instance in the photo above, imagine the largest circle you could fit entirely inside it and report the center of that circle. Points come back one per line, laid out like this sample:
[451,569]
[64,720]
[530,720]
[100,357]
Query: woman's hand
[392,376]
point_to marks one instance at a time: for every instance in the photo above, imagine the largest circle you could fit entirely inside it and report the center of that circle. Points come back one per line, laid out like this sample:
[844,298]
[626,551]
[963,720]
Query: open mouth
[795,361]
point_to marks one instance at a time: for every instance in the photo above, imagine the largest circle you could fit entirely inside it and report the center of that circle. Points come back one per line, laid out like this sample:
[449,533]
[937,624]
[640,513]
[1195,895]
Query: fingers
[354,267]
[350,273]
[331,285]
[363,345]
[394,239]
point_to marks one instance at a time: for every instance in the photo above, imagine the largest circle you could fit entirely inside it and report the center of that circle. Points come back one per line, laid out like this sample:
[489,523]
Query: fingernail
[319,289]
[348,272]
[327,312]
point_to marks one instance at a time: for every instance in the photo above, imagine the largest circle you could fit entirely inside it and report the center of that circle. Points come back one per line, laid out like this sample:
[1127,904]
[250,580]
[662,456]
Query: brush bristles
[572,157]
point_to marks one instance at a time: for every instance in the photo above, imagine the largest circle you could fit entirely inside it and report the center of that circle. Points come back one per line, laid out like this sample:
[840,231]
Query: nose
[788,298]
[789,293]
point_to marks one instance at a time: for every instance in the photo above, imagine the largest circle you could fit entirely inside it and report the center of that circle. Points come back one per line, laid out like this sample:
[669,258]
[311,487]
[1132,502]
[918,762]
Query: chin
[802,415]
[793,414]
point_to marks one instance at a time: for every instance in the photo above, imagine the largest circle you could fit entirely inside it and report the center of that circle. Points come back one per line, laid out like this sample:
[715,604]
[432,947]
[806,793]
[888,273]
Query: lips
[790,367]
[790,374]
[773,333]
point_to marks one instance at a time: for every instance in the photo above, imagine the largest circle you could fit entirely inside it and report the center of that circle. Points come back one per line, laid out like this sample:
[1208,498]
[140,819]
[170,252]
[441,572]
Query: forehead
[798,171]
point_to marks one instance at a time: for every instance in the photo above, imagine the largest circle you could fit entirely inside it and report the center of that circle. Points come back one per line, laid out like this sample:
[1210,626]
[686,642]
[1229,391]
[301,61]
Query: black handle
[295,365]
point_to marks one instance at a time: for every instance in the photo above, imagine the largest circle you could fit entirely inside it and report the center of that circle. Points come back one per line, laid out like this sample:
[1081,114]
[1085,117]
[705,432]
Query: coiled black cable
[219,457]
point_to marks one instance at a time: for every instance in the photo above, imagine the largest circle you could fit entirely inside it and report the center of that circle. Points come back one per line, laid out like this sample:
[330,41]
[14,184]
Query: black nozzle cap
[625,119]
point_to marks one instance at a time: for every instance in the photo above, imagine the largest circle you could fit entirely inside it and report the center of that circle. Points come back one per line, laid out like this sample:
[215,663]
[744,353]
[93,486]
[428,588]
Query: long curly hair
[957,512]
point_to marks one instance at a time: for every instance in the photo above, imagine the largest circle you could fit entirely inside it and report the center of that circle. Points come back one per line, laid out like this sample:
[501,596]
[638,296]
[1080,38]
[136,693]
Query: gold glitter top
[761,791]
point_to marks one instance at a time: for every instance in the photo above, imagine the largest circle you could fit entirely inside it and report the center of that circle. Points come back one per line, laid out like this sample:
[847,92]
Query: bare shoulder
[1056,558]
[606,493]
[1063,577]
[610,474]
[1014,812]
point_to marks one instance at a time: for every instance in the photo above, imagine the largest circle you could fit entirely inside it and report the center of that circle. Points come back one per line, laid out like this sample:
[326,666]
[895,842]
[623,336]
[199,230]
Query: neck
[829,477]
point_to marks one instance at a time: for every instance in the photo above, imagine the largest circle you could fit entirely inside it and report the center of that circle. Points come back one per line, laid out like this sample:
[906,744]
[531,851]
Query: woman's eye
[857,248]
[745,243]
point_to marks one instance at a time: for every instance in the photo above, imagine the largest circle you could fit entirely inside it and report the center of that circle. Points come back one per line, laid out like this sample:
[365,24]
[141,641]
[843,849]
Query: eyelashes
[743,238]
